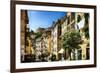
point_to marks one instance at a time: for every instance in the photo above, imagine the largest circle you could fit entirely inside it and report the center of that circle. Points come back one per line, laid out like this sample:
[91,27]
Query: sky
[43,19]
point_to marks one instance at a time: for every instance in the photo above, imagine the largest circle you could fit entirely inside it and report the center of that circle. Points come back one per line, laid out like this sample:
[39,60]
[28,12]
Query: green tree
[37,35]
[71,40]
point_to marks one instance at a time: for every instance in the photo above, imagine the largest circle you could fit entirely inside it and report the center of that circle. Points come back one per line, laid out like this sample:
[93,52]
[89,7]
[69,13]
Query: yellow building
[29,49]
[49,41]
[46,41]
[76,21]
[56,38]
[24,22]
[26,42]
[81,25]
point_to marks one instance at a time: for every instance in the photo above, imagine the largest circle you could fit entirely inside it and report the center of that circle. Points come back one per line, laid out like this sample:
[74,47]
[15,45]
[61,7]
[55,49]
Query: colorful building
[83,24]
[24,22]
[76,21]
[56,38]
[38,48]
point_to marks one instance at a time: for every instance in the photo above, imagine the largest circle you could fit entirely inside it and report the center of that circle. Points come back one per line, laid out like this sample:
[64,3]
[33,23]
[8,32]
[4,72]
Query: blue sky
[43,19]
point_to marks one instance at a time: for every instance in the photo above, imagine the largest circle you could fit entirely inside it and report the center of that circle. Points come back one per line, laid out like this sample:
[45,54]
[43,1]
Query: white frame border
[59,63]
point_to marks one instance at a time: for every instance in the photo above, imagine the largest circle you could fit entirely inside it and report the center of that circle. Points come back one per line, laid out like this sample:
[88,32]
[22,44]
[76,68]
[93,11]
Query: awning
[61,51]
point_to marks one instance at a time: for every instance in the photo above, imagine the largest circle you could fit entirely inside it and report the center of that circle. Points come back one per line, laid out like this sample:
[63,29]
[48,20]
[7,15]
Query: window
[86,15]
[79,54]
[87,53]
[72,16]
[68,22]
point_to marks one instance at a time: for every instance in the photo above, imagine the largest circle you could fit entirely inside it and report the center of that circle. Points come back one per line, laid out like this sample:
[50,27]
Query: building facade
[76,21]
[26,42]
[83,24]
[24,22]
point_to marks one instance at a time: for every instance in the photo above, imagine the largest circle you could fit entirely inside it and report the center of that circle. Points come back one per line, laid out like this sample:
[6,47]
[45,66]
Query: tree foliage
[71,40]
[38,34]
